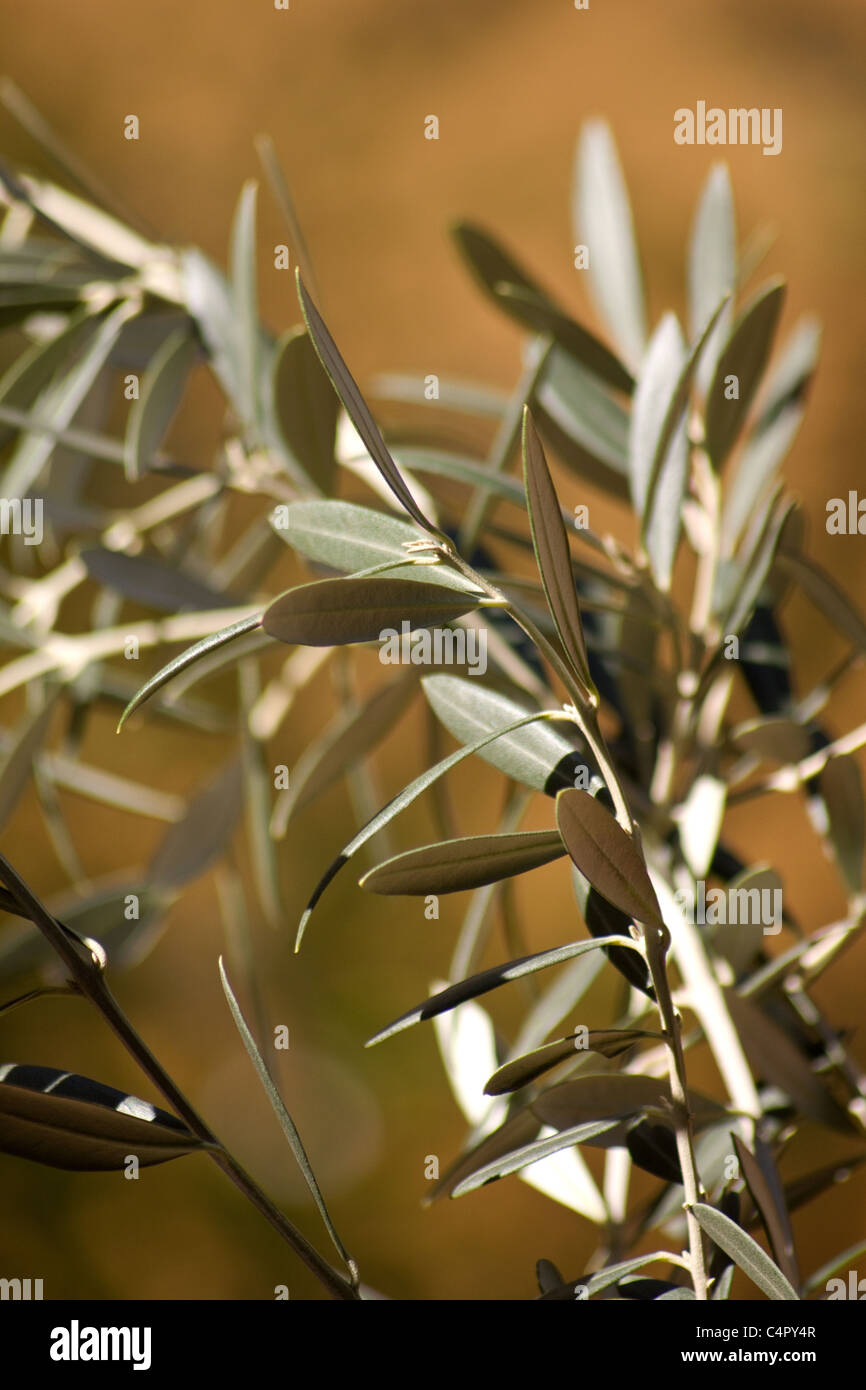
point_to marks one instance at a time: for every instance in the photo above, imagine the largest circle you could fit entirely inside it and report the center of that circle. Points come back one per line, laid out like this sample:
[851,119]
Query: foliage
[687,426]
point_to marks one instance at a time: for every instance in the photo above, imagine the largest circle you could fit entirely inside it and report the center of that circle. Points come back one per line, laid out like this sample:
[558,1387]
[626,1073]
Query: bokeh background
[343,87]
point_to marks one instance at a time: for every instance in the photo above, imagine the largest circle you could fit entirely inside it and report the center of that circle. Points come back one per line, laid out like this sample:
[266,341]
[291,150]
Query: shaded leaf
[776,738]
[552,553]
[606,855]
[161,389]
[761,455]
[190,846]
[453,866]
[341,746]
[773,1055]
[745,1253]
[609,1042]
[841,790]
[744,356]
[613,1095]
[516,292]
[826,595]
[305,408]
[18,766]
[69,1121]
[152,582]
[286,1122]
[59,401]
[763,1183]
[356,407]
[332,612]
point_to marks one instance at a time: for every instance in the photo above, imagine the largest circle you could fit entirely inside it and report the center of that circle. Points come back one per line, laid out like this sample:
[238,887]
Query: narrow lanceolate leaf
[745,1252]
[545,318]
[152,581]
[348,537]
[758,552]
[609,1095]
[358,411]
[245,297]
[33,369]
[759,459]
[776,737]
[18,766]
[552,553]
[455,865]
[190,845]
[774,1056]
[405,798]
[739,370]
[700,821]
[712,265]
[537,755]
[58,403]
[188,658]
[161,389]
[286,1122]
[341,746]
[789,378]
[762,1180]
[531,1153]
[333,612]
[518,294]
[606,856]
[841,790]
[588,417]
[486,981]
[305,408]
[656,387]
[661,402]
[89,225]
[602,221]
[609,1042]
[827,597]
[69,1121]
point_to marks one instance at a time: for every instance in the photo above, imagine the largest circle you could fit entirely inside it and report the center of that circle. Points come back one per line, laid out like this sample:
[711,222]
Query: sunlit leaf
[538,755]
[606,855]
[484,982]
[602,220]
[745,1252]
[712,265]
[332,612]
[456,865]
[188,658]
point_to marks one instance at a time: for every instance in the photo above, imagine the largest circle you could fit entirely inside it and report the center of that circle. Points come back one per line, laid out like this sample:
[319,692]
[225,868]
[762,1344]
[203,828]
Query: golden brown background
[344,88]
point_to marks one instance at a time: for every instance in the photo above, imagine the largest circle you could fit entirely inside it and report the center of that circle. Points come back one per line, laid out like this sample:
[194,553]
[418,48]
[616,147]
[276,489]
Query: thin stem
[88,977]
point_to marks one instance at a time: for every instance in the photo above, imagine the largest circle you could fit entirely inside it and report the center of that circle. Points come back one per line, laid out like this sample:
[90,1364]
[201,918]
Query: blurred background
[344,88]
